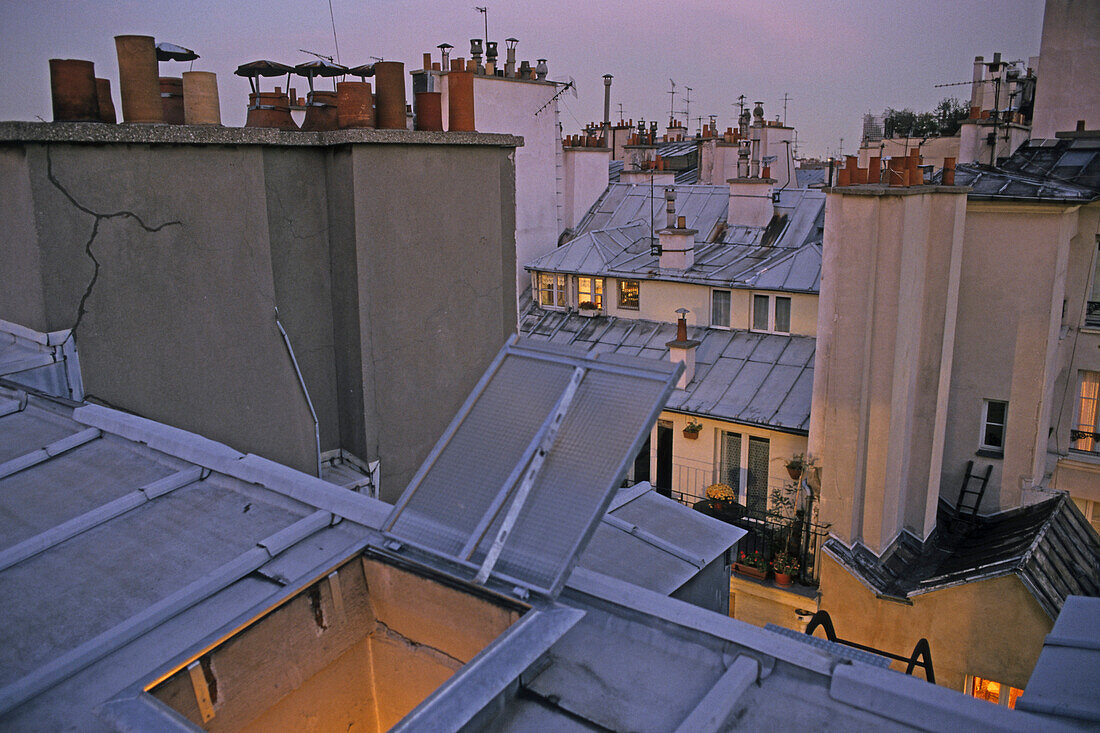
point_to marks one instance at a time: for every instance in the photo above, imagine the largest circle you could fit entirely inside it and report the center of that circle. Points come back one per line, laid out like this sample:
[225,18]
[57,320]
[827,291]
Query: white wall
[509,106]
[1069,57]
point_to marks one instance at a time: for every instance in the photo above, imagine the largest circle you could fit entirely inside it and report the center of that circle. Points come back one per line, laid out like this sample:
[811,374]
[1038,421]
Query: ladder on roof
[961,506]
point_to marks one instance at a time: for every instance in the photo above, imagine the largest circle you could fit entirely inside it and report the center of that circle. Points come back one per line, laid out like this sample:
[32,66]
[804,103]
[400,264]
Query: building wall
[759,604]
[393,315]
[659,300]
[989,628]
[585,179]
[695,462]
[510,106]
[1004,275]
[1068,59]
[884,353]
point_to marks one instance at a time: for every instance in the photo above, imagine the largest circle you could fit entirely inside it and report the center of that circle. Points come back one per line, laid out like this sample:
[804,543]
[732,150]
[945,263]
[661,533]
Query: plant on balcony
[691,431]
[588,308]
[785,566]
[752,564]
[721,495]
[798,463]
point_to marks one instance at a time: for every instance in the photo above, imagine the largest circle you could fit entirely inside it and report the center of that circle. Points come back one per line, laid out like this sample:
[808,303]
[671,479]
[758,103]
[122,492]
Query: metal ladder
[960,505]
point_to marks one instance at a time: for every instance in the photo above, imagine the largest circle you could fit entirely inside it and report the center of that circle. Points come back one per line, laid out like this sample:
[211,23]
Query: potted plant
[691,431]
[588,309]
[721,496]
[785,566]
[751,564]
[797,465]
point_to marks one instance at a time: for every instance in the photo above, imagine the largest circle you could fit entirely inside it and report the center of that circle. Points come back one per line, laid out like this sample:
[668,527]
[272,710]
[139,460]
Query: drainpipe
[305,392]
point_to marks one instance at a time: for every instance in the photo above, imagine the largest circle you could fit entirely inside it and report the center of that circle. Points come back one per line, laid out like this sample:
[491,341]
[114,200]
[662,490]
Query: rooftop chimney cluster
[488,65]
[147,97]
[192,98]
[901,171]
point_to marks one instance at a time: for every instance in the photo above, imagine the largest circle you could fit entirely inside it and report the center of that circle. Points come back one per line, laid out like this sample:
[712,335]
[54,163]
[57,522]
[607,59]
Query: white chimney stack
[750,202]
[682,350]
[677,246]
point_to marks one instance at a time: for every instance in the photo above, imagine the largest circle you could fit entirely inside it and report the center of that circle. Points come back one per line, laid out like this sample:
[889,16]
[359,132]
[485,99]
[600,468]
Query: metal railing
[770,533]
[1092,313]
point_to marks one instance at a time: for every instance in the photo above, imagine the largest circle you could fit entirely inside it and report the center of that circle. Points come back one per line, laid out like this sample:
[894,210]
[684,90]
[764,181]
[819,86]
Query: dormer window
[552,290]
[628,294]
[720,308]
[771,313]
[590,290]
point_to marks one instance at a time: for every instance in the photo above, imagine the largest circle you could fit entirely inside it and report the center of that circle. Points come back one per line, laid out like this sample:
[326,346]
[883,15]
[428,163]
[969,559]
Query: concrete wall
[393,314]
[884,355]
[308,665]
[989,628]
[760,604]
[1068,59]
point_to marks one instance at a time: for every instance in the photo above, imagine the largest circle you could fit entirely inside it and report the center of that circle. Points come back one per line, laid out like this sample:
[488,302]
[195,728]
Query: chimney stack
[750,202]
[677,242]
[607,109]
[682,349]
[510,59]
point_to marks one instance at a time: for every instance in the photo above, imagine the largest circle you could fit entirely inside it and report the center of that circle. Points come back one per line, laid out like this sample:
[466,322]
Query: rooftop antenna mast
[485,14]
[620,112]
[671,100]
[335,40]
[318,55]
[786,98]
[687,107]
[740,106]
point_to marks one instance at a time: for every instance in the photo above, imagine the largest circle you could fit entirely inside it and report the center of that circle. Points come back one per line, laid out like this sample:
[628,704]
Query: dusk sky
[837,59]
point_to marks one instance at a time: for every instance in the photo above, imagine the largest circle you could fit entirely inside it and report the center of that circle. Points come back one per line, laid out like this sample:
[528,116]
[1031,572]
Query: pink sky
[835,58]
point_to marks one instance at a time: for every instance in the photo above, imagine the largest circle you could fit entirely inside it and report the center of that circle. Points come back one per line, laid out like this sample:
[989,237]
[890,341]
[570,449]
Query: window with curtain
[1086,434]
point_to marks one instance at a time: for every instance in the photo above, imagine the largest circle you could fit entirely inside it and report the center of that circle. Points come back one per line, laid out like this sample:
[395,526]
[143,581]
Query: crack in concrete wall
[384,632]
[98,217]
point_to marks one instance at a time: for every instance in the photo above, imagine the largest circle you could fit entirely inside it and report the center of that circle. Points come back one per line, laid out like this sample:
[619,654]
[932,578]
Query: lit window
[590,290]
[720,308]
[771,313]
[993,425]
[628,294]
[995,692]
[1086,434]
[551,290]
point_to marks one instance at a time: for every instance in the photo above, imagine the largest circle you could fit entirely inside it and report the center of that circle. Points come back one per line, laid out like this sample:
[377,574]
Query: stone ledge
[99,133]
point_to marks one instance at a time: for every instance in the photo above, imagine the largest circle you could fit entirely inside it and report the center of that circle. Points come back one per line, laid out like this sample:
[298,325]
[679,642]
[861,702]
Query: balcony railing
[770,533]
[1085,440]
[1092,313]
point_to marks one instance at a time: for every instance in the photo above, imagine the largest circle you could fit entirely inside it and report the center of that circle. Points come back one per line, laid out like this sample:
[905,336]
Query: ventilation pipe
[74,91]
[976,88]
[429,111]
[106,103]
[491,58]
[200,98]
[171,99]
[139,79]
[607,109]
[541,70]
[476,50]
[460,101]
[510,59]
[354,105]
[445,55]
[389,78]
[670,207]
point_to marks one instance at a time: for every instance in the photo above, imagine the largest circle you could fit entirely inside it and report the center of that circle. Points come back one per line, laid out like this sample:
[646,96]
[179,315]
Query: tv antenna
[318,55]
[485,14]
[687,105]
[786,98]
[671,100]
[620,112]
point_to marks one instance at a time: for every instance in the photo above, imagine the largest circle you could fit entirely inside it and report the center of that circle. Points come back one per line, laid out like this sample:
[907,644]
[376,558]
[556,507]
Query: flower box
[586,313]
[691,434]
[750,571]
